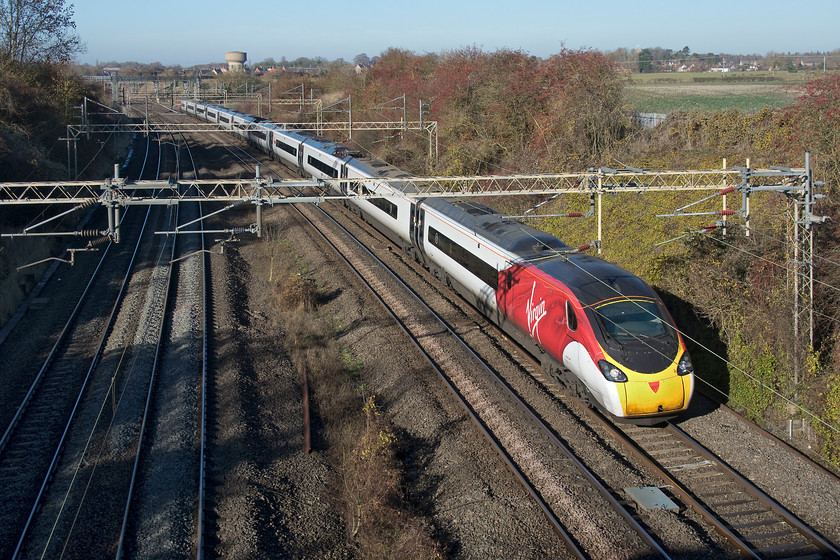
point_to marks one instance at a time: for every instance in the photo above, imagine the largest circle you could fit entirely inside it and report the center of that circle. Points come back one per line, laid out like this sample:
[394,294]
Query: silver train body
[562,306]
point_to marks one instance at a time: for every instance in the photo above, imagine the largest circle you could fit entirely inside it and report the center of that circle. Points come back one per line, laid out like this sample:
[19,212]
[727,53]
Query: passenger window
[571,318]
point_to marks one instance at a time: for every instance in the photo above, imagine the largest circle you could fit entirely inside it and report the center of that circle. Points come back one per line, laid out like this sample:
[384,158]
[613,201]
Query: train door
[417,222]
[345,185]
[300,160]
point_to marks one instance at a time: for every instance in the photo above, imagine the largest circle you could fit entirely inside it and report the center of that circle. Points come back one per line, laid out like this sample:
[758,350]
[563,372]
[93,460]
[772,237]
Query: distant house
[302,70]
[363,68]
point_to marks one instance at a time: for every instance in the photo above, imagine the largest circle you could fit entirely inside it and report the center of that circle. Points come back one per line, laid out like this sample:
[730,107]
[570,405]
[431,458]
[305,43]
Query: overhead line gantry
[261,191]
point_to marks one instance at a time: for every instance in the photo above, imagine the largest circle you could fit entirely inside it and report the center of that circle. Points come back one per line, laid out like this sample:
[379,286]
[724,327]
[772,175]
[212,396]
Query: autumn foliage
[815,123]
[504,110]
[508,112]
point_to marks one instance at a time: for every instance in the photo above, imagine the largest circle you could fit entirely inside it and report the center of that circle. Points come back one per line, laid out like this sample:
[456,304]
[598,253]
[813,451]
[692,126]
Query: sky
[189,33]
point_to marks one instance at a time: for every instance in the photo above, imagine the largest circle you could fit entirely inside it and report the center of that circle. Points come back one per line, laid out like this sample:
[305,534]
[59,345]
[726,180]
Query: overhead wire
[773,263]
[734,366]
[682,333]
[833,319]
[87,451]
[789,244]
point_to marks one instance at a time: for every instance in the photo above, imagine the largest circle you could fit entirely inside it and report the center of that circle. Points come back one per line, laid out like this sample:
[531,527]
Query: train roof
[521,239]
[377,168]
[591,279]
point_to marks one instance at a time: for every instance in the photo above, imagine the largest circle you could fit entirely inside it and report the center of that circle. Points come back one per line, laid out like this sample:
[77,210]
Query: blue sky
[189,33]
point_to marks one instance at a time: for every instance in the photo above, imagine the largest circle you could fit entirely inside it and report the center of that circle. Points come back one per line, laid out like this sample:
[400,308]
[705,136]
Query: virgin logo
[535,314]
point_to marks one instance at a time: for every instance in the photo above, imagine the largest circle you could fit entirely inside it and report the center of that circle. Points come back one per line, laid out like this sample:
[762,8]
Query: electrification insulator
[574,215]
[707,229]
[86,204]
[726,212]
[98,241]
[88,233]
[240,230]
[583,248]
[727,190]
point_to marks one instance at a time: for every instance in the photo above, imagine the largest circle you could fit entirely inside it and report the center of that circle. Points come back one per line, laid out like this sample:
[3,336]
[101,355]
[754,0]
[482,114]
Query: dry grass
[361,442]
[762,77]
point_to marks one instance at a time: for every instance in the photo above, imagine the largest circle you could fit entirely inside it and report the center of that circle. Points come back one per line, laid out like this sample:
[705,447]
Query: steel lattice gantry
[74,132]
[118,192]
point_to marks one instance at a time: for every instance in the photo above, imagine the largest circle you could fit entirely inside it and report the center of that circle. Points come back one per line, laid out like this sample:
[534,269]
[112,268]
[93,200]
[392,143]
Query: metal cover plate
[651,497]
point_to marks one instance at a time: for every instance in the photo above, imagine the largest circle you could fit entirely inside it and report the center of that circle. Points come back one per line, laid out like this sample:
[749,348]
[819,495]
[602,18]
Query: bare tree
[38,31]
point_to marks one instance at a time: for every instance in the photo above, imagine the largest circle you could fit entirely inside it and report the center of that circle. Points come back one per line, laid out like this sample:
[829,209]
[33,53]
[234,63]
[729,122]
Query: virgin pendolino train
[597,329]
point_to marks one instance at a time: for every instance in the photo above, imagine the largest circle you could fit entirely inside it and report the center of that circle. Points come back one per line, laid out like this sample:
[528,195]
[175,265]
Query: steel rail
[149,394]
[58,343]
[741,543]
[202,477]
[810,534]
[98,354]
[100,347]
[508,460]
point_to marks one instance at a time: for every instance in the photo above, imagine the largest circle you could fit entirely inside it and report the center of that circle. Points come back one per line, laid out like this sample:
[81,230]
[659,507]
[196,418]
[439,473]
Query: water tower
[236,60]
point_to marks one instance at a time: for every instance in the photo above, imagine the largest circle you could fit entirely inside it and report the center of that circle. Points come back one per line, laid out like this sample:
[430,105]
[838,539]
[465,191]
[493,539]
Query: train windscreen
[631,319]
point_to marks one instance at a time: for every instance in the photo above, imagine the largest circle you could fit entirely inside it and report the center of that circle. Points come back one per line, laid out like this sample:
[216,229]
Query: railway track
[540,461]
[756,543]
[75,514]
[160,512]
[34,441]
[754,524]
[753,543]
[751,521]
[577,503]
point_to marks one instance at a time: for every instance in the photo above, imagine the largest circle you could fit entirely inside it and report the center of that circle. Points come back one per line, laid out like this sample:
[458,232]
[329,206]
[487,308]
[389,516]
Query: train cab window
[571,318]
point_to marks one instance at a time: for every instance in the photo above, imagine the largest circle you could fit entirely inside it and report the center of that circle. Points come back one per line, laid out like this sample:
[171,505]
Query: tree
[645,61]
[361,60]
[38,31]
[814,124]
[267,63]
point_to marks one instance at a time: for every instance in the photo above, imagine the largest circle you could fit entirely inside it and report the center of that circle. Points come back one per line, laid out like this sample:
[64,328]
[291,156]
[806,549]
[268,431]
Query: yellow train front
[608,329]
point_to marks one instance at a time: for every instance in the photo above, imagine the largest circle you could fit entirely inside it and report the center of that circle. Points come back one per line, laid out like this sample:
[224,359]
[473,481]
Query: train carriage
[594,326]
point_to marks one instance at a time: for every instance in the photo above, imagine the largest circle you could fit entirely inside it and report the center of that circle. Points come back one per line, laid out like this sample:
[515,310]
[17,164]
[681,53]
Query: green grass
[711,91]
[667,100]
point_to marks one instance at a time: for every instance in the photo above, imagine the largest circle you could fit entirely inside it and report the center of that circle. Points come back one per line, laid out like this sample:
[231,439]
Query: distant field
[762,77]
[747,91]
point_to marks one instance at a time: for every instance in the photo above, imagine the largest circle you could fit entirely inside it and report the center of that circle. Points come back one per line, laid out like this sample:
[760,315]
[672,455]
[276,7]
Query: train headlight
[611,372]
[685,366]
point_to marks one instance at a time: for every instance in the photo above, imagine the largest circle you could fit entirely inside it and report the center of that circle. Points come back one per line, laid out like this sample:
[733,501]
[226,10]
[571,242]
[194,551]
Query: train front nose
[656,396]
